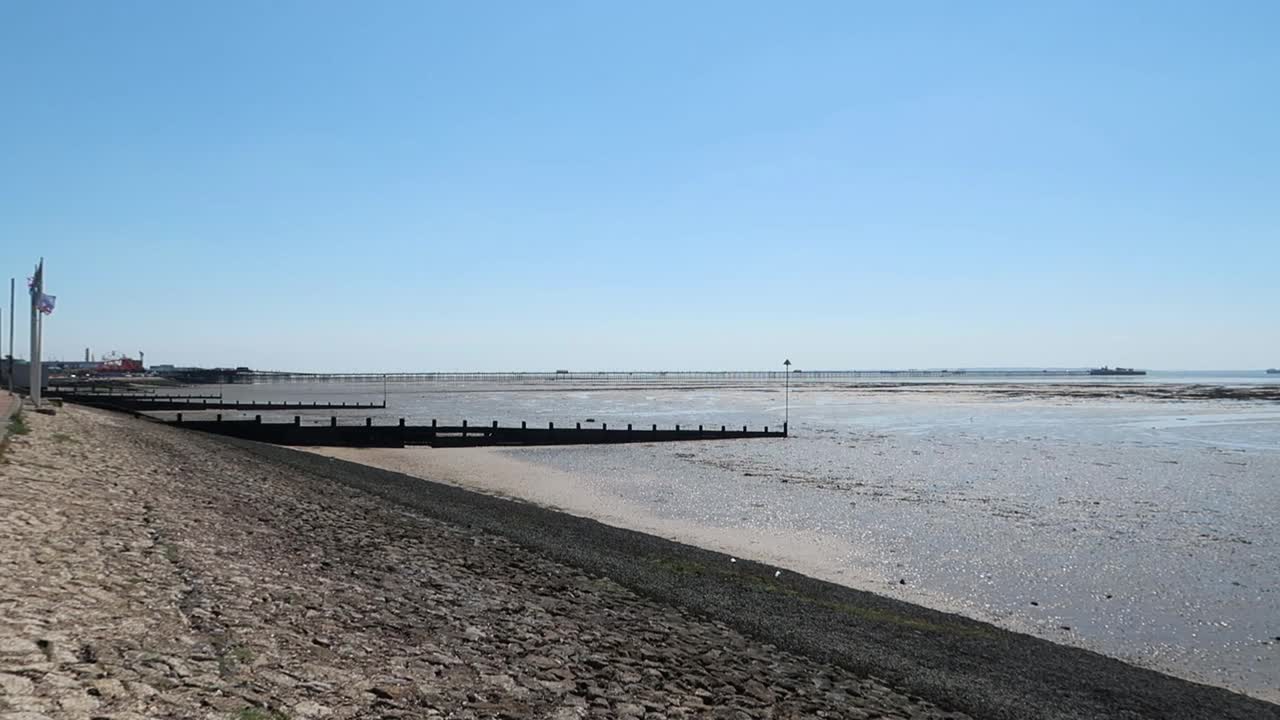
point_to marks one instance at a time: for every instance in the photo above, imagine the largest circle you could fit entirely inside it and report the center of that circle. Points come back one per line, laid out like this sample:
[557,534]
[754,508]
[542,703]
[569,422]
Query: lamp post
[786,374]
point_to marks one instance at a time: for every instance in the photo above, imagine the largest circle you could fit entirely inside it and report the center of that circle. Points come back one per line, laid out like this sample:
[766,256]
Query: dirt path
[148,572]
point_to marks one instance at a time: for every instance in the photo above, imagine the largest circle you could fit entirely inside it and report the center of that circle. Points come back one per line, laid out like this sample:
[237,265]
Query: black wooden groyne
[464,435]
[148,403]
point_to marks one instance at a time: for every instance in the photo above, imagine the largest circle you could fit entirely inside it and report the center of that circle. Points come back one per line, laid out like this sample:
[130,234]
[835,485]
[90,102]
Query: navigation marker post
[786,373]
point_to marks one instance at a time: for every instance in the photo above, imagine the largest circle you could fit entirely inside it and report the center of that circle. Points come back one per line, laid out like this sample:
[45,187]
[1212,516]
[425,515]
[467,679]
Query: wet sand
[497,473]
[1082,390]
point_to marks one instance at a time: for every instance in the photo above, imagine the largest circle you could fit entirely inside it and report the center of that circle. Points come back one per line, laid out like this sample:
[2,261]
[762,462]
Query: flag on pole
[45,303]
[37,303]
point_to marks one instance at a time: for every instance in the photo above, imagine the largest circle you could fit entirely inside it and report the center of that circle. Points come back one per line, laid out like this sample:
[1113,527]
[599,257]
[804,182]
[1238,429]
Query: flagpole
[37,289]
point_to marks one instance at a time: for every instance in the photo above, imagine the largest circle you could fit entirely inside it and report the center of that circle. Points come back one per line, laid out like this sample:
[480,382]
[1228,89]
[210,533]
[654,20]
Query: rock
[311,709]
[176,667]
[78,702]
[275,677]
[109,688]
[317,686]
[542,662]
[206,681]
[758,691]
[389,692]
[442,659]
[15,684]
[557,686]
[140,689]
[629,710]
[223,703]
[501,681]
[18,646]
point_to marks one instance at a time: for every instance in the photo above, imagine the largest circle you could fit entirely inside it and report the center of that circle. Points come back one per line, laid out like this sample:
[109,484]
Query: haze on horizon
[718,185]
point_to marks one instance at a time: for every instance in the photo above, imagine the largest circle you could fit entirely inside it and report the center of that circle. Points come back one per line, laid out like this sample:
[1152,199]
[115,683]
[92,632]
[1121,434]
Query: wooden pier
[464,435]
[76,396]
[625,378]
[148,403]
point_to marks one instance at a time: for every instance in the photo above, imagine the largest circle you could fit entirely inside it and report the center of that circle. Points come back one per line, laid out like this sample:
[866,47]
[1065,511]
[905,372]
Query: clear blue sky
[608,185]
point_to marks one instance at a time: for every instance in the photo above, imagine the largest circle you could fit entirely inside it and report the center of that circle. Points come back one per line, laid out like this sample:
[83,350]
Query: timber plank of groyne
[395,436]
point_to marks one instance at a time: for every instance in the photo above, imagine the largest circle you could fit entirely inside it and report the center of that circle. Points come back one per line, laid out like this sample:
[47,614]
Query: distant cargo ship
[1104,370]
[1273,371]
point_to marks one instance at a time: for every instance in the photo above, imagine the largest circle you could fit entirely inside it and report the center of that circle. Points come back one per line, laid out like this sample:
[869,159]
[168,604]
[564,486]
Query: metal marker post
[786,369]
